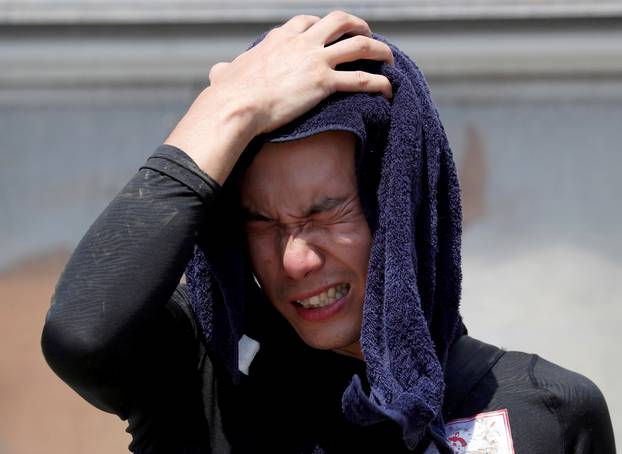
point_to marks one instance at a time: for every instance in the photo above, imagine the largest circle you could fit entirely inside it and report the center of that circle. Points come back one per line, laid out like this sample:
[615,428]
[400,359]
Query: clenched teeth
[327,297]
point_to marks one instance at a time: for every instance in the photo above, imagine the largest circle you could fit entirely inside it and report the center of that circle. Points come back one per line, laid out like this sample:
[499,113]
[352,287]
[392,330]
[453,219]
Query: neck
[352,350]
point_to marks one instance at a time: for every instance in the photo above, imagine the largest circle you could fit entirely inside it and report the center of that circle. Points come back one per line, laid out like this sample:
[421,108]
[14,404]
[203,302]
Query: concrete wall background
[532,105]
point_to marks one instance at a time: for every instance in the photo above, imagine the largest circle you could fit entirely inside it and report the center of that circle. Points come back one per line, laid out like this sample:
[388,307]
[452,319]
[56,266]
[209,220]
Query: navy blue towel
[410,193]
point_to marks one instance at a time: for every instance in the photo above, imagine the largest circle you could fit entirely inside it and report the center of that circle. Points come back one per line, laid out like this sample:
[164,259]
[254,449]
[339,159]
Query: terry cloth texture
[409,188]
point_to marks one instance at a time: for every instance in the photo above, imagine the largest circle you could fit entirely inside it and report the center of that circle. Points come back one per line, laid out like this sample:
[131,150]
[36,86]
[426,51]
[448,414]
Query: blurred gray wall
[530,94]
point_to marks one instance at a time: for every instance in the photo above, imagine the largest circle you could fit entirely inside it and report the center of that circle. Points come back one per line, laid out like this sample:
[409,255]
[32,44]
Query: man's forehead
[303,167]
[316,147]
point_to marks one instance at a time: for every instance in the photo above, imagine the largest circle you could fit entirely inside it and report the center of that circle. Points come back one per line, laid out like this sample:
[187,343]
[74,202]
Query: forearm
[124,270]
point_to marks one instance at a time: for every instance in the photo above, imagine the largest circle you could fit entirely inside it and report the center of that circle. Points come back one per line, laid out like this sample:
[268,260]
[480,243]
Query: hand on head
[288,73]
[293,68]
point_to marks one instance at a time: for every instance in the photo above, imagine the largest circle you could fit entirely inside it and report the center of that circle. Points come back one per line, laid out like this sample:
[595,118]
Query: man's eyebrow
[324,204]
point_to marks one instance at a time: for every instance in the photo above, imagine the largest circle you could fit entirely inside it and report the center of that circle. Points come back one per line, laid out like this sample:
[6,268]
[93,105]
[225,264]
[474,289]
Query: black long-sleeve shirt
[121,333]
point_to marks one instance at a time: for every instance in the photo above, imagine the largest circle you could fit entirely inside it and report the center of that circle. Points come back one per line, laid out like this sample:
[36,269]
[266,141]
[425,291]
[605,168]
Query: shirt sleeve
[579,407]
[112,332]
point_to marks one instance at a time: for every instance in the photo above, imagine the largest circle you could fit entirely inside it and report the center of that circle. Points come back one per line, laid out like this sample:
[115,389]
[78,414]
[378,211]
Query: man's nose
[300,258]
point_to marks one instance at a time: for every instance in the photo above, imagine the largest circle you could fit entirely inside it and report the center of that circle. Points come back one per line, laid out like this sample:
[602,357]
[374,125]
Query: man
[344,210]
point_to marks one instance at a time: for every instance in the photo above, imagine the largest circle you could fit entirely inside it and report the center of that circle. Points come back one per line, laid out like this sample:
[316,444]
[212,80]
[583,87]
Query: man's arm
[108,310]
[107,327]
[579,408]
[116,332]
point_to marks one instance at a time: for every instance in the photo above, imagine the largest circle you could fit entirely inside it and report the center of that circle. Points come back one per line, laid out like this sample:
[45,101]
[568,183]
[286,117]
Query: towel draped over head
[410,193]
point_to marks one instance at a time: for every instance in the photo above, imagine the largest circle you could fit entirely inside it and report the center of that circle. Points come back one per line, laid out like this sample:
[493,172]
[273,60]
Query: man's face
[308,238]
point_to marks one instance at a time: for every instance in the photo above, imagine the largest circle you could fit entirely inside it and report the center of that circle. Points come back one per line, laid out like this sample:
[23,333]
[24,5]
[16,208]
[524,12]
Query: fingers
[360,81]
[358,48]
[300,24]
[336,24]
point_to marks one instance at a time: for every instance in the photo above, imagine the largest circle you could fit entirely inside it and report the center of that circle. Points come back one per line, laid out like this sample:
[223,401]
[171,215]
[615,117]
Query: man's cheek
[261,259]
[269,283]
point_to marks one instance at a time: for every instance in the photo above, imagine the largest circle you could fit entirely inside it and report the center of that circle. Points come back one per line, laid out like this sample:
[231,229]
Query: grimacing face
[308,238]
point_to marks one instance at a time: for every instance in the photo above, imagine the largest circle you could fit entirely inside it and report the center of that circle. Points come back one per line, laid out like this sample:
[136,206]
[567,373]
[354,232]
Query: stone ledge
[244,11]
[54,60]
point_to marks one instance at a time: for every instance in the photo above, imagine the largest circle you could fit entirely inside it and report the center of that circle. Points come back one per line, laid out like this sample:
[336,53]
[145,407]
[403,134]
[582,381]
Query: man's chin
[345,346]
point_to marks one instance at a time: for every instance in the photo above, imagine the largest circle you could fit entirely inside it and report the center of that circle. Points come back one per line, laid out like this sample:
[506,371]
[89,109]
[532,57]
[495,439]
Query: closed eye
[258,224]
[341,211]
[252,216]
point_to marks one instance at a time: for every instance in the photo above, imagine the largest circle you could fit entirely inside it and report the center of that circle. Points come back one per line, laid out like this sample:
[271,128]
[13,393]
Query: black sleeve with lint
[110,333]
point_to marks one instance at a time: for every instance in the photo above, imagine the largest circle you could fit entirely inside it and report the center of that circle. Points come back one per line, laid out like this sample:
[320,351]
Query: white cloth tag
[247,349]
[484,433]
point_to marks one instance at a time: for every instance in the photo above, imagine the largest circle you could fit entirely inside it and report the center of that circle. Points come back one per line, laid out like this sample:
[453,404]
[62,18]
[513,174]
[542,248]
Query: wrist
[215,131]
[236,114]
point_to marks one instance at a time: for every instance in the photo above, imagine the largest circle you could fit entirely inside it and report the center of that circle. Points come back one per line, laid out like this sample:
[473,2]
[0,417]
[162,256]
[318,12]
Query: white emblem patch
[484,433]
[247,349]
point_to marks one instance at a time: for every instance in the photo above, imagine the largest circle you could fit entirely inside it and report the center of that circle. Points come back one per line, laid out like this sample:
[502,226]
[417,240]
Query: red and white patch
[484,433]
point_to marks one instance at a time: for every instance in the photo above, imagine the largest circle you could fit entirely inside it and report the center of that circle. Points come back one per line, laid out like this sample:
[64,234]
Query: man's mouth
[325,298]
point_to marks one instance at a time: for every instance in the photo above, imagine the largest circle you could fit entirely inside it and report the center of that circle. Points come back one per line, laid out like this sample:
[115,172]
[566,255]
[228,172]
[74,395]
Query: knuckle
[274,33]
[343,18]
[361,78]
[299,18]
[346,21]
[340,16]
[321,82]
[318,77]
[305,17]
[213,73]
[362,43]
